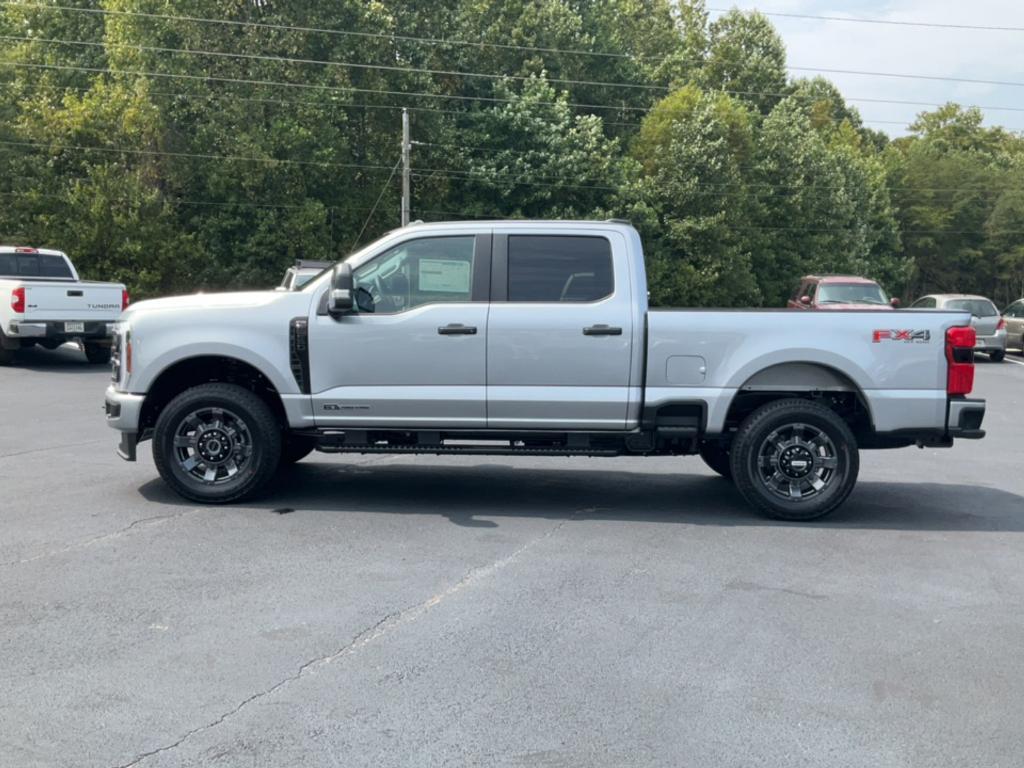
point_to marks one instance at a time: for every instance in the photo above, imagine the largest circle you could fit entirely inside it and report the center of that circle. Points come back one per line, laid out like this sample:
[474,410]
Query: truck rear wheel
[217,443]
[794,459]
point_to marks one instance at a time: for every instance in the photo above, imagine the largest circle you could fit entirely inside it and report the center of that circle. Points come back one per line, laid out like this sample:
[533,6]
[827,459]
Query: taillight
[18,299]
[128,354]
[1001,325]
[124,299]
[960,356]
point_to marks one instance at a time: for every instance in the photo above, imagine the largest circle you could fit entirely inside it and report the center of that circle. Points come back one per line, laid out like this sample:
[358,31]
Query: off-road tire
[241,411]
[96,354]
[717,458]
[760,441]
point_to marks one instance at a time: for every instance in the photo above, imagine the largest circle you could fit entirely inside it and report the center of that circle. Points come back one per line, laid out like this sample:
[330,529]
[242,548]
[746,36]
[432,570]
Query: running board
[466,450]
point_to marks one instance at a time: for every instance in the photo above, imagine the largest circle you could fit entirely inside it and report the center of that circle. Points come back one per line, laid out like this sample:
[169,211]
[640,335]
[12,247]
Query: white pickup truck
[529,338]
[45,303]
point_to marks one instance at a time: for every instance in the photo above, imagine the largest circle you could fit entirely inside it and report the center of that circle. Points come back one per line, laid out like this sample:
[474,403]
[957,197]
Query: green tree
[747,58]
[689,198]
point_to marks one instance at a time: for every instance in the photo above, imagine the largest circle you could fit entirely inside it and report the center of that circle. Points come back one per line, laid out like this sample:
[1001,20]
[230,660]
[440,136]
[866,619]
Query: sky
[957,53]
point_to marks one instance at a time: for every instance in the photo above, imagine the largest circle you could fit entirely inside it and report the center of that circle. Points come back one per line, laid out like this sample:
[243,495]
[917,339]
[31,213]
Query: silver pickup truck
[535,339]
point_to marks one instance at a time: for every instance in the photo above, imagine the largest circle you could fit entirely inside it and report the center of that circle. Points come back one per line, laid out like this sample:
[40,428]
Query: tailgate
[72,301]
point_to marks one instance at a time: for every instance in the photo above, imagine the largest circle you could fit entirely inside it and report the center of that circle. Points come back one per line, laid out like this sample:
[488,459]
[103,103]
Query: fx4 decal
[909,336]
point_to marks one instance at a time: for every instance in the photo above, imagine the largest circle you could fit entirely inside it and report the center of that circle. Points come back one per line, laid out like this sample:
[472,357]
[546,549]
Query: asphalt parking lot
[403,611]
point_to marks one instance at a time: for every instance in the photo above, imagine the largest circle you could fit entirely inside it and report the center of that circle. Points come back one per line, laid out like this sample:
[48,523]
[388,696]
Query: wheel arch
[192,371]
[813,380]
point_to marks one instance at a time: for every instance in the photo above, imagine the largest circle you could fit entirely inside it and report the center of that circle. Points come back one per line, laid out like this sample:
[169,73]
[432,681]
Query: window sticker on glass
[444,275]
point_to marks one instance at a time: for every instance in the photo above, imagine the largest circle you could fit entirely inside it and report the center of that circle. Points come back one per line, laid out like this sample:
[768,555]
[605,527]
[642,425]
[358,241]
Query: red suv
[839,292]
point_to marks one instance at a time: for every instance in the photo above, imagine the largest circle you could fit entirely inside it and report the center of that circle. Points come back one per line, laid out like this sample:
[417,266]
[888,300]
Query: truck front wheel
[217,443]
[794,459]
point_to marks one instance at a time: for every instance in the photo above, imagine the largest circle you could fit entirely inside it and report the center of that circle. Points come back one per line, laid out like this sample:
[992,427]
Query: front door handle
[602,330]
[457,329]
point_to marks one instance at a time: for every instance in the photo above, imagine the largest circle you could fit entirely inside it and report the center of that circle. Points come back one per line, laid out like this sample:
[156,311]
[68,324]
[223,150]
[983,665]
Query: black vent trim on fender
[298,352]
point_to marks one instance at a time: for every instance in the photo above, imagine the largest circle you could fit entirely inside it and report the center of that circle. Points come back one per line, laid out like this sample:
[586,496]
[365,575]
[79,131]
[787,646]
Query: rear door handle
[602,330]
[457,329]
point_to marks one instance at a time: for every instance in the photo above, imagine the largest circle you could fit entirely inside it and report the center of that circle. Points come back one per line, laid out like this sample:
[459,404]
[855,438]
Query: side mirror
[805,300]
[340,299]
[896,303]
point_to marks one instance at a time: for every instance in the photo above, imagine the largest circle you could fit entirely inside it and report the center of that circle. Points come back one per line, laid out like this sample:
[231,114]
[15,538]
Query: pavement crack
[155,520]
[389,623]
[749,586]
[49,448]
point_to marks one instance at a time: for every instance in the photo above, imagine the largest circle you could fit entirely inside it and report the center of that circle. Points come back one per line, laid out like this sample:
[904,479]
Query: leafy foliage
[179,155]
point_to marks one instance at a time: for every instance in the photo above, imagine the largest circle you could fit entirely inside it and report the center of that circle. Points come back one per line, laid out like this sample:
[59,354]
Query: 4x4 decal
[909,336]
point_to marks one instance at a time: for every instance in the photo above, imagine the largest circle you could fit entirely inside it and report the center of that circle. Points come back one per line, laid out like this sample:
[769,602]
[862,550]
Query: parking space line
[1015,362]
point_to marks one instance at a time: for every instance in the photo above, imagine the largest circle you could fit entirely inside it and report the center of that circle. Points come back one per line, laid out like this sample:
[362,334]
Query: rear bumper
[964,417]
[92,330]
[963,420]
[994,343]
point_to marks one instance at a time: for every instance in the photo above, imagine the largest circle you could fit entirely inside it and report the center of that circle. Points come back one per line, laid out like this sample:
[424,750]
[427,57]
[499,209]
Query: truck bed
[710,355]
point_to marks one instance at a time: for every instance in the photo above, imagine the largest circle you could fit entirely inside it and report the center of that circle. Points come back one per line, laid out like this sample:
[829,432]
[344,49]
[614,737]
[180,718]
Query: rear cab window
[39,265]
[977,307]
[559,268]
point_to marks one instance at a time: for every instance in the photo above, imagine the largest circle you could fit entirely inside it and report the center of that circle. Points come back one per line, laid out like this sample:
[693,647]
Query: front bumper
[93,330]
[123,410]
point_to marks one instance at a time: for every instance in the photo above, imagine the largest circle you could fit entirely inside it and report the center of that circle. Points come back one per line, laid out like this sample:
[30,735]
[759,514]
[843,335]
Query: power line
[501,177]
[457,97]
[328,88]
[480,75]
[862,20]
[374,209]
[320,30]
[193,155]
[326,62]
[183,201]
[906,76]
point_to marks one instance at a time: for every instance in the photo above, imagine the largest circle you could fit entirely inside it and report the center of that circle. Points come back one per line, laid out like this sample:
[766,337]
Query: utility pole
[406,146]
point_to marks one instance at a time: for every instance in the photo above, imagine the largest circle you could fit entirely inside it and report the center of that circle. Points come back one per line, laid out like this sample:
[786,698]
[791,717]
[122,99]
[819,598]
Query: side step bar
[466,450]
[483,443]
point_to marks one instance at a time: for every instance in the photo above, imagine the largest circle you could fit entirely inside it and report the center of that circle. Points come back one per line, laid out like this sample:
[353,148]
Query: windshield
[304,277]
[977,307]
[851,293]
[303,283]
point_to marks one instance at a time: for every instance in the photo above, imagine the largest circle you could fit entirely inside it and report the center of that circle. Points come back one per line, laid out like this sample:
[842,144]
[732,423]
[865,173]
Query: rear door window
[559,268]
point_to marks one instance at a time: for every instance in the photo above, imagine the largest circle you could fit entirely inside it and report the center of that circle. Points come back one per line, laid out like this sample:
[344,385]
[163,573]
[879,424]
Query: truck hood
[206,301]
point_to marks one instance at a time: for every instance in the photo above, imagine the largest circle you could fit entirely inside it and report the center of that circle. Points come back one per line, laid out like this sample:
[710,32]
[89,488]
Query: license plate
[74,327]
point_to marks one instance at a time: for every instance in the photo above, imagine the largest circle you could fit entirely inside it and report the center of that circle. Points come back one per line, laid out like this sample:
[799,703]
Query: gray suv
[985,319]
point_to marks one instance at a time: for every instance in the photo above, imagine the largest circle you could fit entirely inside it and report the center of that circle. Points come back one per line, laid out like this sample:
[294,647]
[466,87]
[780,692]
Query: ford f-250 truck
[44,302]
[529,338]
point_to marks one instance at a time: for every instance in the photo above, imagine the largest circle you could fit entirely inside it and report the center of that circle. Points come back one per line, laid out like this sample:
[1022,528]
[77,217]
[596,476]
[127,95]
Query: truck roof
[853,279]
[612,224]
[30,249]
